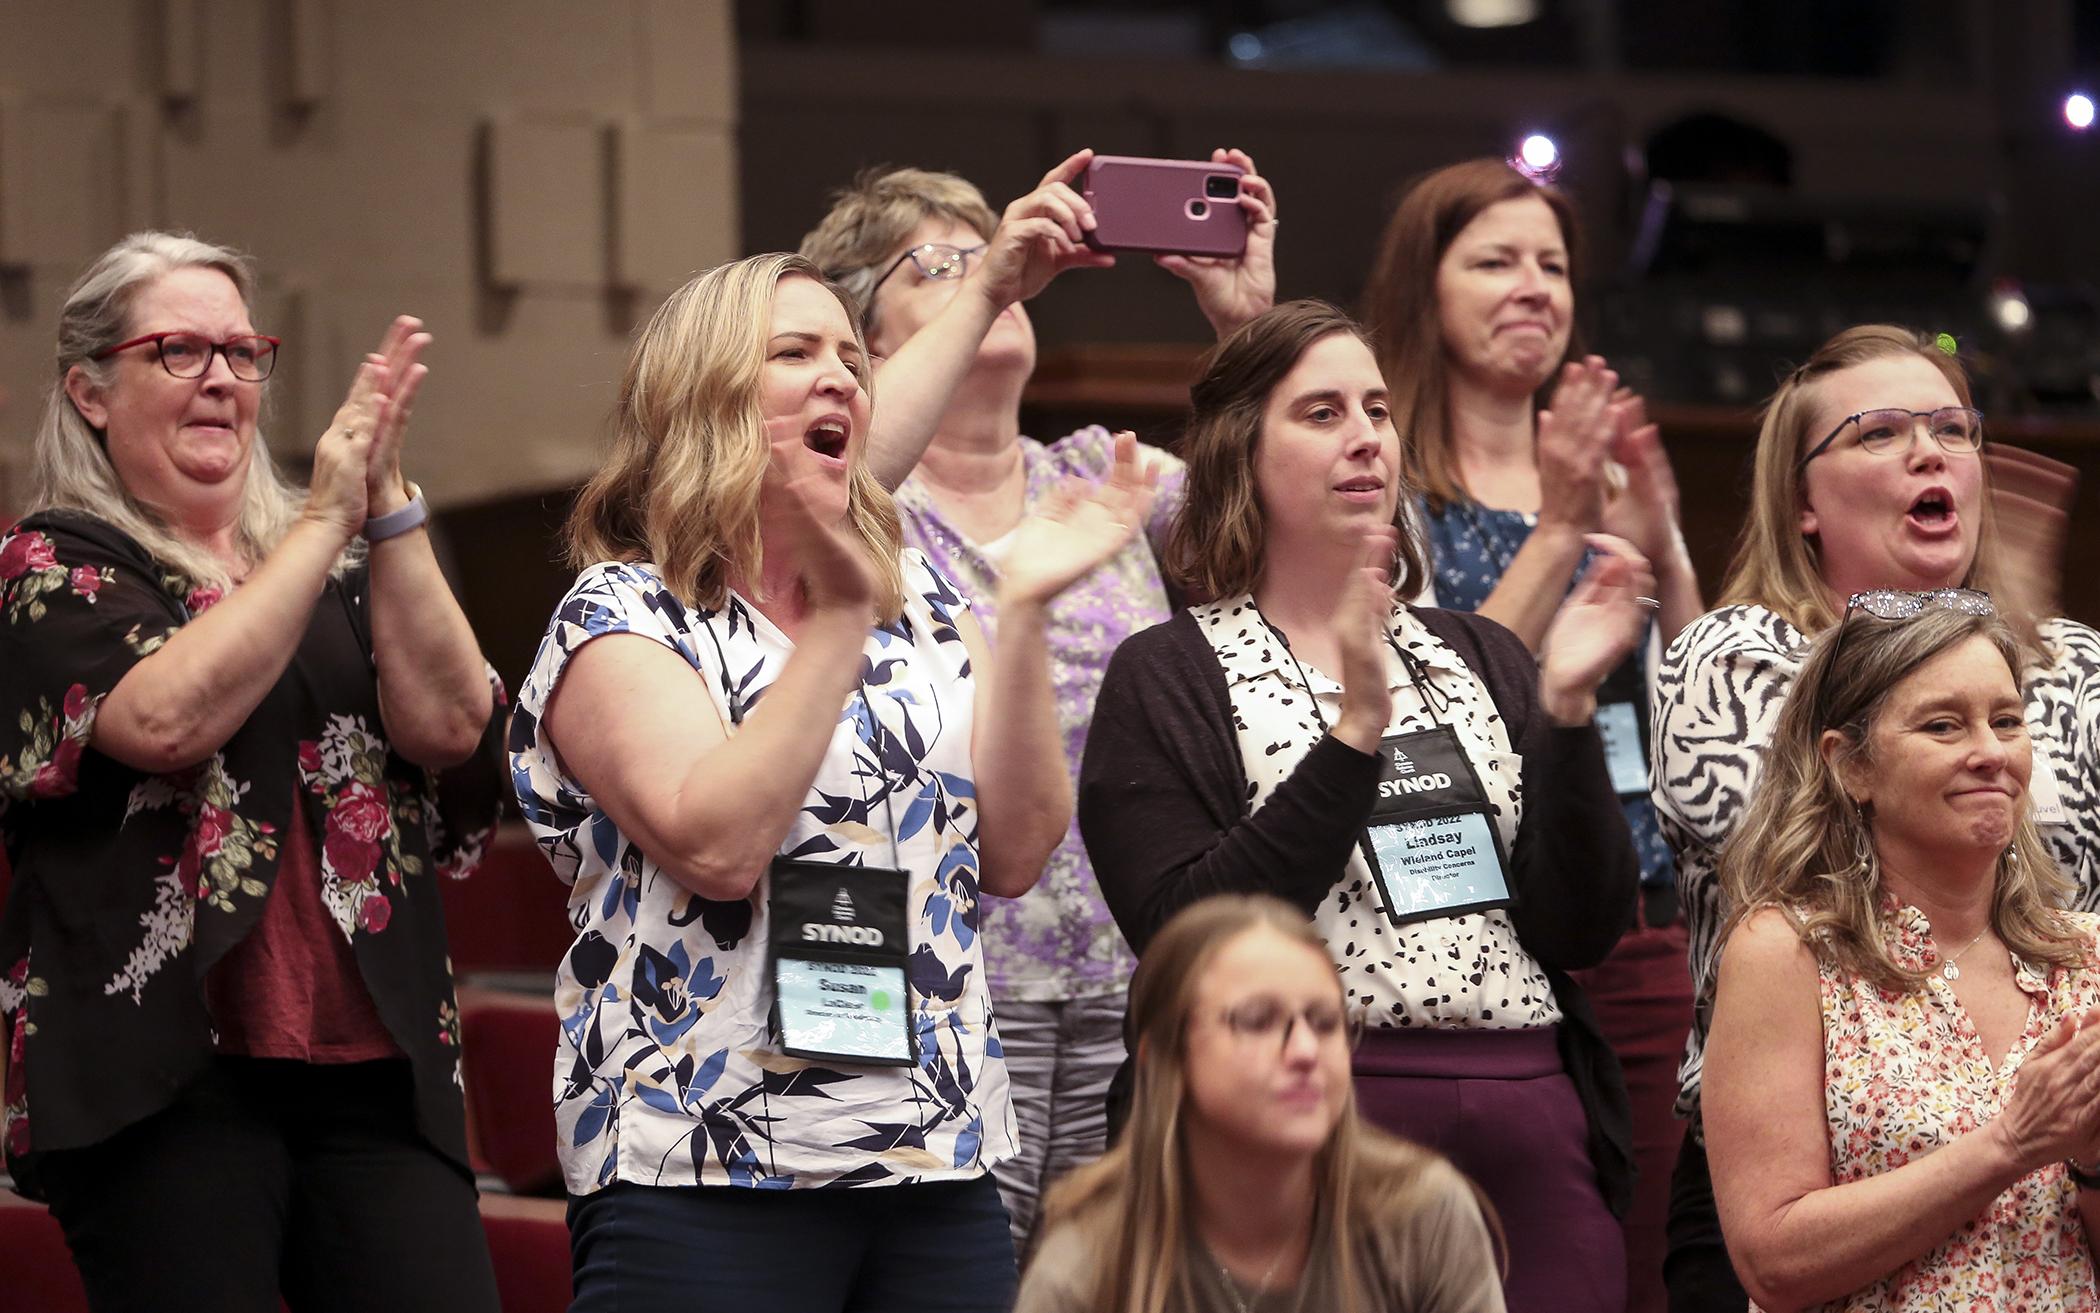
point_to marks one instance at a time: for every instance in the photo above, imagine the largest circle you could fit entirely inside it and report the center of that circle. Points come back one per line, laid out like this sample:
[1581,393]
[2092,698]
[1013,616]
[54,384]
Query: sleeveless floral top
[1906,1073]
[666,1071]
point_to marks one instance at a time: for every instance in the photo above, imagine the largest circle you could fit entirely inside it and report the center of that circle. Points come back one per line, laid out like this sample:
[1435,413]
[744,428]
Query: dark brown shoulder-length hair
[1219,540]
[1400,305]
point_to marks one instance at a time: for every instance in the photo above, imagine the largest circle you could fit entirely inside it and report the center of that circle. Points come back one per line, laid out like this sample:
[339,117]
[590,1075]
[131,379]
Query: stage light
[1492,13]
[2009,306]
[2078,110]
[1537,156]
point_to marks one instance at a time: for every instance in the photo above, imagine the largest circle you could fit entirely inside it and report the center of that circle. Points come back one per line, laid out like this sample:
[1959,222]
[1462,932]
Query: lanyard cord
[1425,688]
[736,718]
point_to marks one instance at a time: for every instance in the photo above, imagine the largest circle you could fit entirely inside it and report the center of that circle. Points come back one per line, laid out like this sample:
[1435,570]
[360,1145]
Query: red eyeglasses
[188,355]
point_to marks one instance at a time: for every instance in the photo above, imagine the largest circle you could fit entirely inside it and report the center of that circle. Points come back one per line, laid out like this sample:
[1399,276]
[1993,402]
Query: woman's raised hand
[401,375]
[1644,511]
[2054,1111]
[1234,289]
[1075,529]
[336,493]
[1576,431]
[1039,237]
[1594,629]
[1360,628]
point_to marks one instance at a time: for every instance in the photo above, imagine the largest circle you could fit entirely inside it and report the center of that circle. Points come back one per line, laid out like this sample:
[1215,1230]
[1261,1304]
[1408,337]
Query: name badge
[839,944]
[1625,747]
[1432,844]
[2041,786]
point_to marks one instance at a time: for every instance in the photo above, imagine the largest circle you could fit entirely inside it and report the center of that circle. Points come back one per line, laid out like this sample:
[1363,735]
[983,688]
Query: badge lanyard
[1622,702]
[1432,846]
[838,938]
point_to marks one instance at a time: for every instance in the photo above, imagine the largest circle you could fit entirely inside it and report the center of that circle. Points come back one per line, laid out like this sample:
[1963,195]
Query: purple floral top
[1059,941]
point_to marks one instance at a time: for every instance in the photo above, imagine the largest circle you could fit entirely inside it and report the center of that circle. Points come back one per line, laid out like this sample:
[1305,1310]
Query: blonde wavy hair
[1132,1204]
[71,469]
[680,485]
[1777,567]
[1798,847]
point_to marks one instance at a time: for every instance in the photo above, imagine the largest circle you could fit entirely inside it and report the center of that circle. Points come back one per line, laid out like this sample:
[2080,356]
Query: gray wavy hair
[71,469]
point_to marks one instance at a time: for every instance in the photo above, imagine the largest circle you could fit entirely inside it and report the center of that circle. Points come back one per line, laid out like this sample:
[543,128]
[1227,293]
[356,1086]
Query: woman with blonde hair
[1414,780]
[1901,1106]
[1245,1178]
[771,754]
[227,700]
[1869,474]
[940,279]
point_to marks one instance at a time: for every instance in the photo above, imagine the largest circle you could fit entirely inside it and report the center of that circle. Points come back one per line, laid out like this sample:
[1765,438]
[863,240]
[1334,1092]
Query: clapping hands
[1077,528]
[357,462]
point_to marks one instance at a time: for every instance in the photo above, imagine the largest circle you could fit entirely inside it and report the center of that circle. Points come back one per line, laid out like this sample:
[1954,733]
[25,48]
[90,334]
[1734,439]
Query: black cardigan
[1163,808]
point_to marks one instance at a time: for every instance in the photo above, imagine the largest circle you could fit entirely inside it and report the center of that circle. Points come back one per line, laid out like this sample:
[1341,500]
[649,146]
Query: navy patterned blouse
[1470,546]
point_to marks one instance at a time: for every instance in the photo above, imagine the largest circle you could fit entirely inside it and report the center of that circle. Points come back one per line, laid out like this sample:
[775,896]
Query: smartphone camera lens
[1199,209]
[1221,186]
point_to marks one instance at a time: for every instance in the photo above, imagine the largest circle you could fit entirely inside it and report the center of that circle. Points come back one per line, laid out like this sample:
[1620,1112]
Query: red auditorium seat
[511,915]
[508,1044]
[529,1241]
[37,1275]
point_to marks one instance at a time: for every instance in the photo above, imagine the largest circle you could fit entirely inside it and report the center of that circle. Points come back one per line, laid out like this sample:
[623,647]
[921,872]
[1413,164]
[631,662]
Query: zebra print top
[1717,699]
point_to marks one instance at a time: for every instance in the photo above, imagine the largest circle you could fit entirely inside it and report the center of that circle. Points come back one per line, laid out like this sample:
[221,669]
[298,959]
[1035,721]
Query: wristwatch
[393,524]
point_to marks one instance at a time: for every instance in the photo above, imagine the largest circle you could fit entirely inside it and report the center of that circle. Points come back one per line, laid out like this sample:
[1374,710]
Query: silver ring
[1653,604]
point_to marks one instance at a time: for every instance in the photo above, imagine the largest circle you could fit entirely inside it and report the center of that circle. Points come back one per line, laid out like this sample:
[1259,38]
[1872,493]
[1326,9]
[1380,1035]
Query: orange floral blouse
[1906,1073]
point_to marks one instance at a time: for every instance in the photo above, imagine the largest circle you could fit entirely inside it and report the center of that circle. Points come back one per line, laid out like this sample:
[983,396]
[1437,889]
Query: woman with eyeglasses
[1901,1106]
[770,751]
[931,267]
[1245,1178]
[234,1048]
[1868,475]
[1431,794]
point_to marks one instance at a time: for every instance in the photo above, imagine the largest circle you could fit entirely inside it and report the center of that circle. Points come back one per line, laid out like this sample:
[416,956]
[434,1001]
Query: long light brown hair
[72,469]
[1132,1204]
[1775,565]
[1400,307]
[1798,846]
[1219,540]
[680,485]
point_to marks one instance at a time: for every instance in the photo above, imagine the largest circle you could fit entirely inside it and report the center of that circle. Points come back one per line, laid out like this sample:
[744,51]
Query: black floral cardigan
[127,886]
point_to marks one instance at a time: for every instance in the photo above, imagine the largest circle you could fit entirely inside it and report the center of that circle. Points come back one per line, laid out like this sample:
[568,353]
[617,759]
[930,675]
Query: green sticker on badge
[879,1000]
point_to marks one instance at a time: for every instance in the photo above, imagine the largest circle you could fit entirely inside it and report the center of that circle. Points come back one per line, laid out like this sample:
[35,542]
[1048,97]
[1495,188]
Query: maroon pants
[1500,1106]
[1642,994]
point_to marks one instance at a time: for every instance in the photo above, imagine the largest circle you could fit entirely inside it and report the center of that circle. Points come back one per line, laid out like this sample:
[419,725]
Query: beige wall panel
[59,182]
[677,205]
[388,204]
[72,48]
[546,204]
[475,55]
[688,59]
[505,409]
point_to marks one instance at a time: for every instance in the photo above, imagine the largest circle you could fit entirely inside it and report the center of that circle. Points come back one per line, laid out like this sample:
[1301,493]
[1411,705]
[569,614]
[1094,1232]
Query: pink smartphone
[1180,207]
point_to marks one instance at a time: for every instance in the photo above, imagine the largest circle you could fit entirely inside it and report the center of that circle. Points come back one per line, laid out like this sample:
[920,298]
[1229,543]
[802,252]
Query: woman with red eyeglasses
[233,1044]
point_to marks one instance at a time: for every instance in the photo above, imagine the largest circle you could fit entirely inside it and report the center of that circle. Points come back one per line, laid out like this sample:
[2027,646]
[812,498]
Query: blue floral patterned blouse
[1470,546]
[667,1072]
